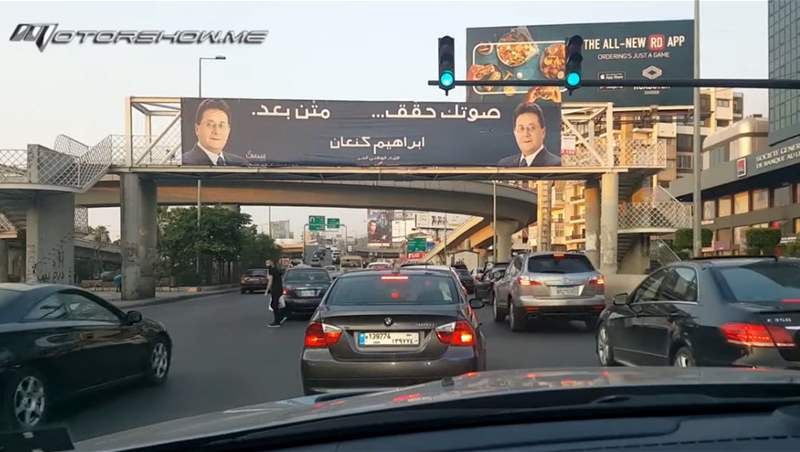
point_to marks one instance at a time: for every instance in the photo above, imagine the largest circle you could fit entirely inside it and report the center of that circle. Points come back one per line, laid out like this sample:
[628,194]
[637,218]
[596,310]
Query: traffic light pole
[679,83]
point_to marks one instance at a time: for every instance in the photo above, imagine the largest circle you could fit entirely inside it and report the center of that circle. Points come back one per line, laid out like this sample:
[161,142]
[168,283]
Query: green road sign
[333,223]
[316,223]
[417,245]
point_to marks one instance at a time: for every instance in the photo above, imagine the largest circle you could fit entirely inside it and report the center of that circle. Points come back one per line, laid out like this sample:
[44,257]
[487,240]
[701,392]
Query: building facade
[751,172]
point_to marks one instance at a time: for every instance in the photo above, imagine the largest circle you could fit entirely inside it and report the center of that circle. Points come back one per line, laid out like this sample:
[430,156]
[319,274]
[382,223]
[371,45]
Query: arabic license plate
[565,290]
[387,338]
[306,293]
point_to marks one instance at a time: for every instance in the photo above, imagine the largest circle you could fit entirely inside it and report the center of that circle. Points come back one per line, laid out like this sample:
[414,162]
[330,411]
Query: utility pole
[697,201]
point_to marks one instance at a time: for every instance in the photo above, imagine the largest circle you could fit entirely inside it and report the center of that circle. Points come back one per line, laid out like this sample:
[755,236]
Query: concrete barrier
[621,283]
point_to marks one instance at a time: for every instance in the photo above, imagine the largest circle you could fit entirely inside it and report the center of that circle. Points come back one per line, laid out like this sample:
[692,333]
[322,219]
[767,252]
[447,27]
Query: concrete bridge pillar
[609,211]
[139,235]
[49,245]
[504,231]
[592,196]
[3,260]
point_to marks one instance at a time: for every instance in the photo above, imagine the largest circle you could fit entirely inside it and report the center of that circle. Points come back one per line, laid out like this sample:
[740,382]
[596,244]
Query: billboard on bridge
[255,132]
[379,227]
[611,51]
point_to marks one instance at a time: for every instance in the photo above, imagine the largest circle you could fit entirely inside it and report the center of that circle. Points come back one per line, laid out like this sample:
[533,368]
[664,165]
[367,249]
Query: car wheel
[683,358]
[159,361]
[514,321]
[243,291]
[499,314]
[25,402]
[605,354]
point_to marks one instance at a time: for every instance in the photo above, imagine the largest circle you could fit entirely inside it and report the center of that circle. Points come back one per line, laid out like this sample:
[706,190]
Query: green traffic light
[573,79]
[446,79]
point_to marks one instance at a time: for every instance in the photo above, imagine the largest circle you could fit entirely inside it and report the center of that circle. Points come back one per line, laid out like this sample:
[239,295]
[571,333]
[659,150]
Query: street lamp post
[304,242]
[199,182]
[200,72]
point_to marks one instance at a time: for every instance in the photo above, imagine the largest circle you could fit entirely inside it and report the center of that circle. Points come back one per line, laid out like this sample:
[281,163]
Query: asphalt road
[224,356]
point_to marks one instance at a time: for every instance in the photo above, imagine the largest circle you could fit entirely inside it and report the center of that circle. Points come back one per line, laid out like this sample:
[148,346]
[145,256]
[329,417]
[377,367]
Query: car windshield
[218,177]
[393,289]
[763,282]
[307,276]
[569,263]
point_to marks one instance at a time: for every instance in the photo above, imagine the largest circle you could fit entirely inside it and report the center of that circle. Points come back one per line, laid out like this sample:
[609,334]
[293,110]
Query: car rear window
[393,290]
[256,273]
[307,276]
[762,282]
[569,263]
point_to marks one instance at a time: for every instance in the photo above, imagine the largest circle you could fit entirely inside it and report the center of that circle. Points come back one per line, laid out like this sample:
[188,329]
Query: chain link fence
[654,215]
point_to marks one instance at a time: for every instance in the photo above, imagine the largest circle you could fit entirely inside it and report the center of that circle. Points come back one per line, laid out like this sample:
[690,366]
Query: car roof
[401,271]
[27,296]
[731,261]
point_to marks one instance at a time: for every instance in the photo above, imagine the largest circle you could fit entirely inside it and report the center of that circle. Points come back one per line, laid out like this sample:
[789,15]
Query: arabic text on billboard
[611,51]
[253,132]
[379,227]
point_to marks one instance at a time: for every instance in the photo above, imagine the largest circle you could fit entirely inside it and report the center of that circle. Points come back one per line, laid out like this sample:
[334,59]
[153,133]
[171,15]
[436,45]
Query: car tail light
[599,284]
[525,281]
[322,335]
[394,278]
[285,291]
[456,333]
[755,335]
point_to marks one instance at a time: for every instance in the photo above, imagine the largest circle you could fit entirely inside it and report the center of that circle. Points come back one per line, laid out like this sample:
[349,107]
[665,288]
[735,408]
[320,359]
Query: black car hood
[474,384]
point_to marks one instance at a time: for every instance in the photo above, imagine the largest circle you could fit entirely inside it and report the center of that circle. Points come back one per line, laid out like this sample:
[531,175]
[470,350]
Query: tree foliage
[257,248]
[762,240]
[683,239]
[220,238]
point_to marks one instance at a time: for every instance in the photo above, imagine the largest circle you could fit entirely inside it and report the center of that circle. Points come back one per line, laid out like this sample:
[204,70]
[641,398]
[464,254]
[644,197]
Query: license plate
[568,291]
[306,293]
[387,338]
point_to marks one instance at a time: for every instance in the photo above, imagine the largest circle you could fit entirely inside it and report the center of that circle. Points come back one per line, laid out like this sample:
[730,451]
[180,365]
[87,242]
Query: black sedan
[303,289]
[57,342]
[707,312]
[387,329]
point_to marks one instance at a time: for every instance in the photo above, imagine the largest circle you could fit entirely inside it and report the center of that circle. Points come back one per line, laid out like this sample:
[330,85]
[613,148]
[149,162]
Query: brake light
[394,278]
[321,335]
[456,333]
[599,284]
[755,335]
[285,291]
[525,281]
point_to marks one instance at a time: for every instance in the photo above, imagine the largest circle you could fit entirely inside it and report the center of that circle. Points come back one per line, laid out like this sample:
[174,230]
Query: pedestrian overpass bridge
[40,187]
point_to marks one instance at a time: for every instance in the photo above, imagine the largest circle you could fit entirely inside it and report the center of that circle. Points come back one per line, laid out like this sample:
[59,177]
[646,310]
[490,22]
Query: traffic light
[572,64]
[447,65]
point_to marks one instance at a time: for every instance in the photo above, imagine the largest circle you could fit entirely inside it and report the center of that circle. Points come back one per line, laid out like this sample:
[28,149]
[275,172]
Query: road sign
[417,245]
[333,223]
[316,223]
[415,255]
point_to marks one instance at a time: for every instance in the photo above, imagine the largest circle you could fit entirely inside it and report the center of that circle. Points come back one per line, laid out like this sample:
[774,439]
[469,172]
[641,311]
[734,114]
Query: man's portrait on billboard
[530,134]
[212,128]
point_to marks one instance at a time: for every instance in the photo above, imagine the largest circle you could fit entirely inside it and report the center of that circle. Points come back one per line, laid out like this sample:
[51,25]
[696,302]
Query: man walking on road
[273,293]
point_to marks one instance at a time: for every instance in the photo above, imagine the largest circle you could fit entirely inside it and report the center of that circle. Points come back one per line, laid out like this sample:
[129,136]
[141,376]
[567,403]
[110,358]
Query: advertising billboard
[254,132]
[611,51]
[379,227]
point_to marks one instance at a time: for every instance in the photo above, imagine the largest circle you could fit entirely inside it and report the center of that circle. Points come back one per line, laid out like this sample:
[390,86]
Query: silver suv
[549,285]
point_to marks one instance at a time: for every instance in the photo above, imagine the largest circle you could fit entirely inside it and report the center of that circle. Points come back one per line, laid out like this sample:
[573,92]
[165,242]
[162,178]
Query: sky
[330,50]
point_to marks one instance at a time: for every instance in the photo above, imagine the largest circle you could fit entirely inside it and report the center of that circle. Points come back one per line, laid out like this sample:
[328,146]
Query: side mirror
[476,304]
[133,317]
[621,299]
